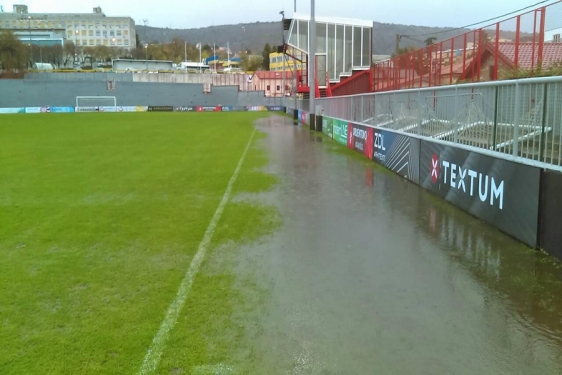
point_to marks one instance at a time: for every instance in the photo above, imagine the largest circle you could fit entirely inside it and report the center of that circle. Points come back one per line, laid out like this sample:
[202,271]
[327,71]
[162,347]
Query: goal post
[96,101]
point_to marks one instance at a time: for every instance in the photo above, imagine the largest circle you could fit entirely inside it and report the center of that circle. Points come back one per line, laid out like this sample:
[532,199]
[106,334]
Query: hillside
[253,36]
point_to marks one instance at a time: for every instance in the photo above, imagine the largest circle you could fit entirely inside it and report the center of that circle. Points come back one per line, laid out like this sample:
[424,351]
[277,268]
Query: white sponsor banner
[12,110]
[32,109]
[109,109]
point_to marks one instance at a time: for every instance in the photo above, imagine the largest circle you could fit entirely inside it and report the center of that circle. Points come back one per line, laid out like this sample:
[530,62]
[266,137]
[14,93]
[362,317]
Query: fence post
[362,109]
[544,115]
[456,124]
[496,113]
[516,118]
[420,124]
[351,110]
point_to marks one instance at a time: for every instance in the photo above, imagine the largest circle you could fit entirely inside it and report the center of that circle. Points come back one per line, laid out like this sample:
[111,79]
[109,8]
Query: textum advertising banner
[501,192]
[360,138]
[397,152]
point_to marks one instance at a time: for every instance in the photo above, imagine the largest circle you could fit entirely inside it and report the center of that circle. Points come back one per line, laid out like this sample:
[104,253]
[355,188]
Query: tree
[13,53]
[68,52]
[250,63]
[265,55]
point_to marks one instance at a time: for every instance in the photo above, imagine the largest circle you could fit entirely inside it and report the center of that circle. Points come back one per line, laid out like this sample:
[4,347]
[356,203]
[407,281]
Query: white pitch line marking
[158,343]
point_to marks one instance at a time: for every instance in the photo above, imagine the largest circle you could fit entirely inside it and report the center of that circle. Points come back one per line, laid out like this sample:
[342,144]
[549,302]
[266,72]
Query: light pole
[30,48]
[75,49]
[200,59]
[282,13]
[146,55]
[312,64]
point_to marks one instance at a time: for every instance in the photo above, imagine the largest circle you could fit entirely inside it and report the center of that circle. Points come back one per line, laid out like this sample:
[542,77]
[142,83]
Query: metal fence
[527,45]
[521,118]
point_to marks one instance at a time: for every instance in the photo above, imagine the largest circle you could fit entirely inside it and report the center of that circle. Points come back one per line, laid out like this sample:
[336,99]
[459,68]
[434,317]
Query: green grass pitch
[100,216]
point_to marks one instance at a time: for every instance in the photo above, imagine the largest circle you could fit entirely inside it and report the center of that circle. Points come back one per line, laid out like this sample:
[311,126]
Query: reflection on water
[372,274]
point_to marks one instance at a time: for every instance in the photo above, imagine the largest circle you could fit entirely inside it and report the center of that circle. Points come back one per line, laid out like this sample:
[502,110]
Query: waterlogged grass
[216,332]
[100,216]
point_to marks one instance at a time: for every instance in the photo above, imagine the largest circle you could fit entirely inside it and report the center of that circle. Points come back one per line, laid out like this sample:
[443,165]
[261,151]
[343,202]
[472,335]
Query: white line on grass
[158,343]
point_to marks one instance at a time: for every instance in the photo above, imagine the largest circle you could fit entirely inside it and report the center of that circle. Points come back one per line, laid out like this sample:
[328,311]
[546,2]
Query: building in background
[276,62]
[271,83]
[344,50]
[93,29]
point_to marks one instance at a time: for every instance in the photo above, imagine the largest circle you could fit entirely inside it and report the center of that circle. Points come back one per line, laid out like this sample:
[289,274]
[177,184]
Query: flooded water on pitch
[370,274]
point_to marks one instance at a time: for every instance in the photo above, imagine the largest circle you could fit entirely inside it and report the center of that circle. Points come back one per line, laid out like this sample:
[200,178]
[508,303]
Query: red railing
[526,45]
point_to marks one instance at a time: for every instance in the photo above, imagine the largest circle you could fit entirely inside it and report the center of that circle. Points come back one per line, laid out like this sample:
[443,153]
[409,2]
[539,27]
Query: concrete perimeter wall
[62,93]
[214,80]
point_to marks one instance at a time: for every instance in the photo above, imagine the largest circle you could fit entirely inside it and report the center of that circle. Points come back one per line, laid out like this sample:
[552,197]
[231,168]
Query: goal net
[95,103]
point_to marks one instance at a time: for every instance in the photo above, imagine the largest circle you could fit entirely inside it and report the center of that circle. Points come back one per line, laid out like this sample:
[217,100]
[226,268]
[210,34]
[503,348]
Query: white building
[93,29]
[553,35]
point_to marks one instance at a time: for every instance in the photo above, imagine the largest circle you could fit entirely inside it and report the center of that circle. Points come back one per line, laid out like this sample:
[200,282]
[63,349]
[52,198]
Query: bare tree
[13,53]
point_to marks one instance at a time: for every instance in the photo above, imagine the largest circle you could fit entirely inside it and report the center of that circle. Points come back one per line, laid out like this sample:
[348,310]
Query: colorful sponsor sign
[397,152]
[32,109]
[256,108]
[62,109]
[160,108]
[12,110]
[360,138]
[327,126]
[339,133]
[208,108]
[109,109]
[131,109]
[501,192]
[303,117]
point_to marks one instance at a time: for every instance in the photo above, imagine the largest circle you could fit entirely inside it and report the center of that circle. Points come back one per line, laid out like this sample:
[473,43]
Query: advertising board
[185,109]
[32,109]
[12,110]
[551,206]
[62,109]
[208,109]
[303,117]
[339,131]
[502,193]
[327,126]
[397,152]
[109,109]
[87,109]
[360,138]
[256,108]
[160,108]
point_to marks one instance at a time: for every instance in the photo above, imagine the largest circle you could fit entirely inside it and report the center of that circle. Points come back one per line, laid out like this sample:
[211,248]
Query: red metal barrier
[526,45]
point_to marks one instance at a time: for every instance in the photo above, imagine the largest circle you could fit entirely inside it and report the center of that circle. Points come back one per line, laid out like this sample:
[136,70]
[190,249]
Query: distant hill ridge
[254,36]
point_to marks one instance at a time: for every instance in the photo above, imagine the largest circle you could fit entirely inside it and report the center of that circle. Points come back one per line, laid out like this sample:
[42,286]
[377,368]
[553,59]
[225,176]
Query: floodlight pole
[312,63]
[283,57]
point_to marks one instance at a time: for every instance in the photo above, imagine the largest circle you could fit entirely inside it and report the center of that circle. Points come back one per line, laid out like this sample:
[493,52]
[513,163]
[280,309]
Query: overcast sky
[201,13]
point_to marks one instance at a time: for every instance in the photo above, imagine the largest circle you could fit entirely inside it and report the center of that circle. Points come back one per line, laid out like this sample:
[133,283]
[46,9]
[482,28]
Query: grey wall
[72,76]
[38,93]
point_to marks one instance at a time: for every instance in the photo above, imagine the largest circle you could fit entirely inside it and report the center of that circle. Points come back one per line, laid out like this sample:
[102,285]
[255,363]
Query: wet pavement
[370,274]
